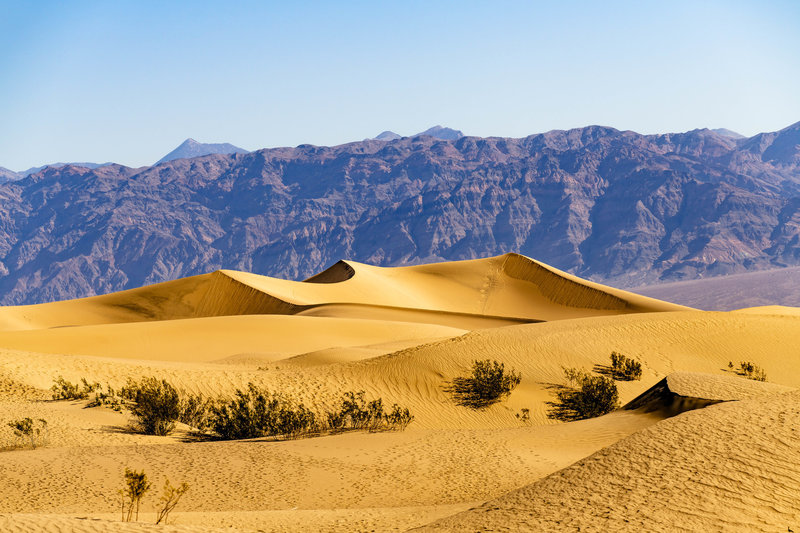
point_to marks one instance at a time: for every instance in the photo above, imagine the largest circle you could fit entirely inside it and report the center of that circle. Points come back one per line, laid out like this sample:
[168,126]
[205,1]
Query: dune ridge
[399,334]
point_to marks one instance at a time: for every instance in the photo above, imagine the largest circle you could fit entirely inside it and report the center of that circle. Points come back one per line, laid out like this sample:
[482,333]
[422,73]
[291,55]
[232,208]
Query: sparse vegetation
[64,390]
[356,413]
[33,432]
[524,415]
[155,405]
[256,412]
[585,396]
[751,371]
[170,497]
[624,368]
[488,384]
[136,486]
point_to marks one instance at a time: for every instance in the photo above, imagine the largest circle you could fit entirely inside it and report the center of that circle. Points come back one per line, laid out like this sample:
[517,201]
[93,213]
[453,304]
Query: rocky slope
[615,206]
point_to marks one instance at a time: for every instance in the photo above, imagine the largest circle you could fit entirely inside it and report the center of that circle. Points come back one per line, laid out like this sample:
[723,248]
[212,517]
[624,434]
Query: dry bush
[751,371]
[64,390]
[585,396]
[136,486]
[30,431]
[155,405]
[624,368]
[488,384]
[170,497]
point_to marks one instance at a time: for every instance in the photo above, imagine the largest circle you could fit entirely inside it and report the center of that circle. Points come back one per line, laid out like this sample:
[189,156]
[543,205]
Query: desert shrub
[624,368]
[256,412]
[136,485]
[155,405]
[195,410]
[488,384]
[524,415]
[169,500]
[109,398]
[398,418]
[751,371]
[64,390]
[585,396]
[34,432]
[356,413]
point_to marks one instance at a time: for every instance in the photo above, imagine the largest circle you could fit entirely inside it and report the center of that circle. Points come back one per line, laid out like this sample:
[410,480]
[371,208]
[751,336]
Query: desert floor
[701,449]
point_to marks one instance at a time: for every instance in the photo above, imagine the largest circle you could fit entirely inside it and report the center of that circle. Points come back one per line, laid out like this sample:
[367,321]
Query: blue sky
[128,81]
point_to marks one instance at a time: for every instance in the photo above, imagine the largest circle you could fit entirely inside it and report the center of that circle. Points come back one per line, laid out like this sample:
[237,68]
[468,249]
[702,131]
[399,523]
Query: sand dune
[400,334]
[728,467]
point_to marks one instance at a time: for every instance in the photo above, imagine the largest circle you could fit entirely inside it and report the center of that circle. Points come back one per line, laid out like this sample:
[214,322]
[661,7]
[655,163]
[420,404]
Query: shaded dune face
[511,286]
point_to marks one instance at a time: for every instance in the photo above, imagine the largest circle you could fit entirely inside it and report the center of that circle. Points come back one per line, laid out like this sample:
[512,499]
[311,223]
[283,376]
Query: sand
[400,334]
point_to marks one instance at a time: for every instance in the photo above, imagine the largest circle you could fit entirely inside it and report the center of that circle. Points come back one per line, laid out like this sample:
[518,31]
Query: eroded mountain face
[614,206]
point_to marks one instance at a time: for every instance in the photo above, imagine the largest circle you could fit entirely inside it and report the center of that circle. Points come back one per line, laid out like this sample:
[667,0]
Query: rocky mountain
[387,136]
[728,133]
[614,206]
[191,148]
[437,132]
[8,175]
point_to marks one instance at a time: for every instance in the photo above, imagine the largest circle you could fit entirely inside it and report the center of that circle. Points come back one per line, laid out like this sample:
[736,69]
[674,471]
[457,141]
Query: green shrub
[64,390]
[585,396]
[751,371]
[30,430]
[488,384]
[155,405]
[624,368]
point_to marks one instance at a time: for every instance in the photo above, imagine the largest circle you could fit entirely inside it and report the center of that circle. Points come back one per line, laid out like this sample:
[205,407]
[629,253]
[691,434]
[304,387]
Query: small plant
[64,390]
[399,418]
[751,371]
[624,368]
[585,396]
[136,485]
[488,384]
[169,500]
[524,415]
[109,399]
[33,431]
[155,405]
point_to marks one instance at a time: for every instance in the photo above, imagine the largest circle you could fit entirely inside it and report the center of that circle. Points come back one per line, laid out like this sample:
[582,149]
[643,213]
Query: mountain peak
[725,132]
[387,136]
[191,148]
[440,132]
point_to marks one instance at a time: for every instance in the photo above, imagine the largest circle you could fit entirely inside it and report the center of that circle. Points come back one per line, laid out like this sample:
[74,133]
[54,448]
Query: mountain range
[614,206]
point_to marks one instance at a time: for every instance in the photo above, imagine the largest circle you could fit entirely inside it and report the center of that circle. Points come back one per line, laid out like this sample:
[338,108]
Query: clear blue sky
[127,81]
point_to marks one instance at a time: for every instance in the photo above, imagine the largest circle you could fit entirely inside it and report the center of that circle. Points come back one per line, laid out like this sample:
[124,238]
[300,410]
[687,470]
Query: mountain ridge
[190,148]
[613,206]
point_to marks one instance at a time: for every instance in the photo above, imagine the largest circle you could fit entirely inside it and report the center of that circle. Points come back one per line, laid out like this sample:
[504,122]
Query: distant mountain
[728,133]
[8,175]
[438,132]
[387,136]
[191,148]
[614,206]
[33,170]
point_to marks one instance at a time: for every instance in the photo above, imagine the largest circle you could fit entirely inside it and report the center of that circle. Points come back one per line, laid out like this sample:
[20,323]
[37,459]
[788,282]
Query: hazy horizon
[127,82]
